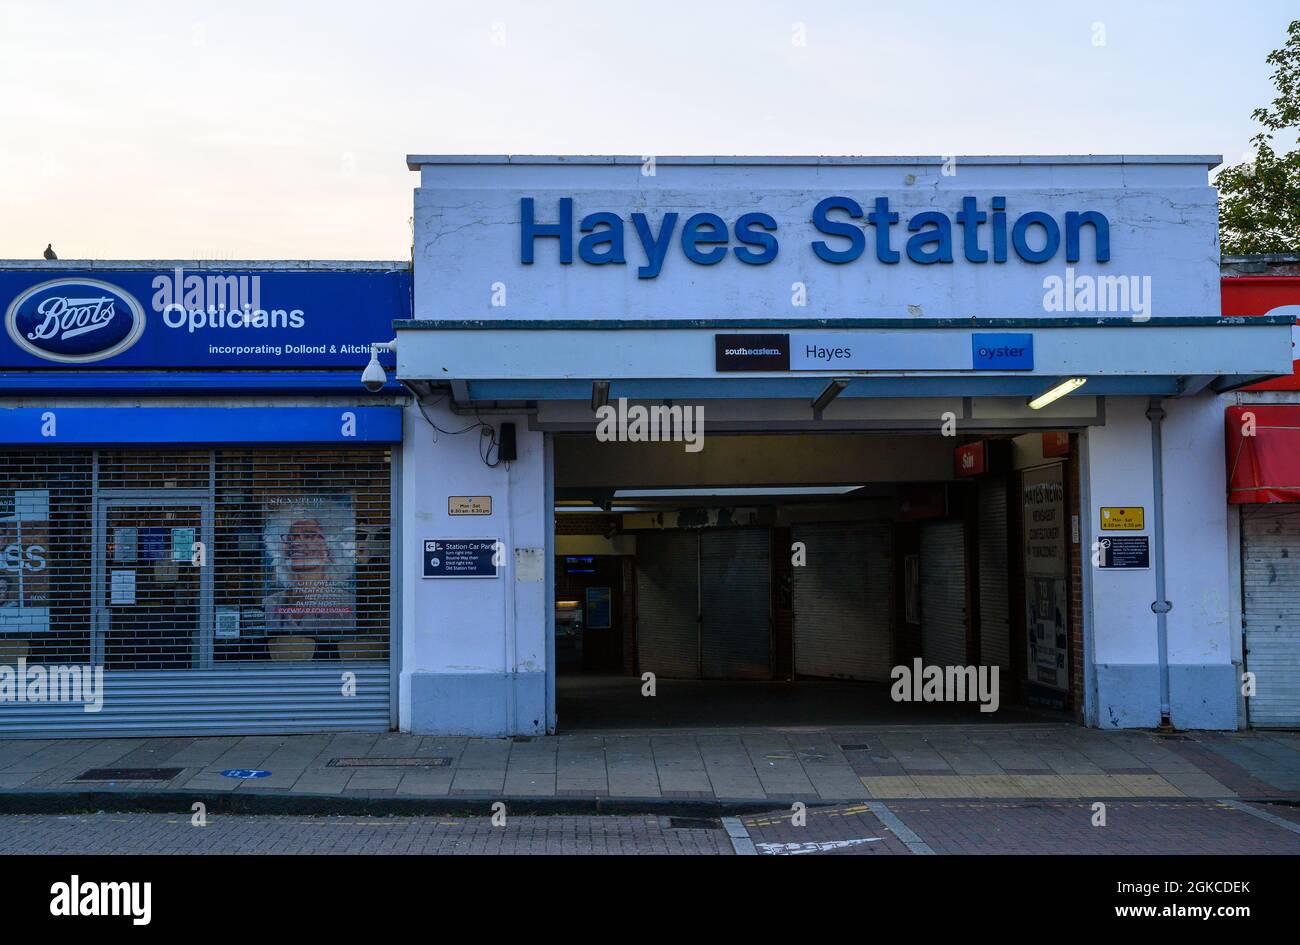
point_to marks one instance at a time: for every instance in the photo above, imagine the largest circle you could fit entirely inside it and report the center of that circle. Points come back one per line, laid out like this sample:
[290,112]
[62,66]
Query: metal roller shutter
[994,580]
[736,603]
[943,593]
[1270,574]
[218,591]
[667,589]
[843,601]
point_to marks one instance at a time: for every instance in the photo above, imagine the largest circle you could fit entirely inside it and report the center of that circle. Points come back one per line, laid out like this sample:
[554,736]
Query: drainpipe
[1160,606]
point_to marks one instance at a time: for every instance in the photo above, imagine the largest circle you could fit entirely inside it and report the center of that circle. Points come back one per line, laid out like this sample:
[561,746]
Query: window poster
[183,544]
[1046,606]
[310,547]
[153,543]
[600,608]
[122,586]
[24,561]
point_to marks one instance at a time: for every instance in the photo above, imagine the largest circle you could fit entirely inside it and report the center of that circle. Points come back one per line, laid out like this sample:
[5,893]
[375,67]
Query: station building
[652,443]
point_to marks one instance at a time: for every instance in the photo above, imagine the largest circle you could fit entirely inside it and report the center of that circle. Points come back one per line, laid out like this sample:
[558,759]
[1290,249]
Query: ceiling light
[1054,394]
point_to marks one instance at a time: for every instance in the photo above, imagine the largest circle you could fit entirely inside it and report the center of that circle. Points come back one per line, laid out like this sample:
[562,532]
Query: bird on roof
[49,251]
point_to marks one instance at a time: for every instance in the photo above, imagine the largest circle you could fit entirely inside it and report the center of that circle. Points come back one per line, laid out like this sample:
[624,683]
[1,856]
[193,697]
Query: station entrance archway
[779,578]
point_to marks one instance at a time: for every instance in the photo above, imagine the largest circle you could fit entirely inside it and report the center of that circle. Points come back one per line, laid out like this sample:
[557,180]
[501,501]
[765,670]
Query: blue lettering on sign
[706,239]
[1002,351]
[74,321]
[245,773]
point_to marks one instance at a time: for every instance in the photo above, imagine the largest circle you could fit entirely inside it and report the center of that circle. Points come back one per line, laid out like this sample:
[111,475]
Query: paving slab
[779,764]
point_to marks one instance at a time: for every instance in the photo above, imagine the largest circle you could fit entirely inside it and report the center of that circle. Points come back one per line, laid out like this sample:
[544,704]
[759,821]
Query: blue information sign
[1002,351]
[461,557]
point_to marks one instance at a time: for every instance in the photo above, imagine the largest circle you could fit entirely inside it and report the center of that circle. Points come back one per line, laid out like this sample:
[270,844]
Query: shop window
[302,556]
[194,559]
[45,556]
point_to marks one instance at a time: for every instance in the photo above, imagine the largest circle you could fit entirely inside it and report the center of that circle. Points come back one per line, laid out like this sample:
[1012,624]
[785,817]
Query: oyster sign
[75,321]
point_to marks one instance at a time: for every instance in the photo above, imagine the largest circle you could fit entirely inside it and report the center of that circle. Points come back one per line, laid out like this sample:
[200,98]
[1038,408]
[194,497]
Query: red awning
[1263,453]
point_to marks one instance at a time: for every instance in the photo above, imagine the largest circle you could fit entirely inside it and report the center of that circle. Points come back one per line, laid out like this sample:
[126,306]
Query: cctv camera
[373,377]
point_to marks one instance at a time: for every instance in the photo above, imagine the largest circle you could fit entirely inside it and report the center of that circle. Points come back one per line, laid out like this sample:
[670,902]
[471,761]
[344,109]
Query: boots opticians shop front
[745,426]
[196,498]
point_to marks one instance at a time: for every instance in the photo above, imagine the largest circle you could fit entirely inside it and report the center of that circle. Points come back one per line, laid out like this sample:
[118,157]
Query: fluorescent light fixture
[599,394]
[597,510]
[1067,386]
[829,392]
[732,491]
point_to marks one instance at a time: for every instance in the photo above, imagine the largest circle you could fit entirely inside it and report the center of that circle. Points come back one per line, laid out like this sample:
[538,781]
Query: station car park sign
[461,557]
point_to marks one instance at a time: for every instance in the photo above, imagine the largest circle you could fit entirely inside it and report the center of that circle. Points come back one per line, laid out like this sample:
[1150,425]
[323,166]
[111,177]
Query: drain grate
[856,746]
[128,774]
[435,761]
[693,823]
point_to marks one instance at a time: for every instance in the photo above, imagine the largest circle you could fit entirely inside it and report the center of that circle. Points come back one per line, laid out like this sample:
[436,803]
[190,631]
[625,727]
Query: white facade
[492,330]
[474,649]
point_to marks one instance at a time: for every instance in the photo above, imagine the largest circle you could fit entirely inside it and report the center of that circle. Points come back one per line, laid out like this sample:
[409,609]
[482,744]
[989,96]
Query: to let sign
[461,557]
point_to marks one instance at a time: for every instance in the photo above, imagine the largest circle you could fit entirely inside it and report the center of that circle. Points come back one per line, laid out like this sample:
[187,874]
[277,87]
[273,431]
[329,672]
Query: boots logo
[75,321]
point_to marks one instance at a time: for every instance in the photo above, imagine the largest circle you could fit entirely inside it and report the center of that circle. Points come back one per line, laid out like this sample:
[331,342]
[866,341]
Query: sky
[269,130]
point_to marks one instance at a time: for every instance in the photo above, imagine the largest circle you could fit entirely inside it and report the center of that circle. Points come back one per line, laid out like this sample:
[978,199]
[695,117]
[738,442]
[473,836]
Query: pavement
[738,771]
[871,828]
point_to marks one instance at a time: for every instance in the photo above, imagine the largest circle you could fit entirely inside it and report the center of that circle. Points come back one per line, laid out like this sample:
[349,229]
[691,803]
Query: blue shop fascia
[197,494]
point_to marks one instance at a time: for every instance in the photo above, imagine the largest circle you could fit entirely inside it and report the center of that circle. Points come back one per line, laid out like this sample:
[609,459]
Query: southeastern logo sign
[75,321]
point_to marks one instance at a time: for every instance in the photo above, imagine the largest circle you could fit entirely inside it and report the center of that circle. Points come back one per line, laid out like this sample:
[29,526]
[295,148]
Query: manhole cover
[437,761]
[128,774]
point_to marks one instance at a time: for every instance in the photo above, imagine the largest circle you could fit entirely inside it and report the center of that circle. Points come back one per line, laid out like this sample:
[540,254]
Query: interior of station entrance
[773,580]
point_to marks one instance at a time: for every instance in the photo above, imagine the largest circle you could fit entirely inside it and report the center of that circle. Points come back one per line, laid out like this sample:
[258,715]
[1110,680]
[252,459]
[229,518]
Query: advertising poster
[24,561]
[600,608]
[1046,605]
[310,548]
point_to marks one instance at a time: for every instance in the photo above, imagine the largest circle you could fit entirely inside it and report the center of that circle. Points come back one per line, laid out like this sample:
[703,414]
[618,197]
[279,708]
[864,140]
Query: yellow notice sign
[1122,519]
